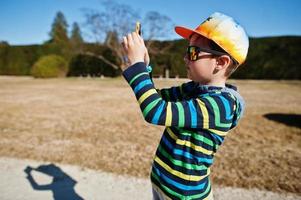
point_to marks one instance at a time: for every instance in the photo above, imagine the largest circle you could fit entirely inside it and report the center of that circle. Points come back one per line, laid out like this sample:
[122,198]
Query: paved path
[32,180]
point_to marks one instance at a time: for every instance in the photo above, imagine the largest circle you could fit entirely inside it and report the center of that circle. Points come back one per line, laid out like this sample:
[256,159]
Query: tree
[108,25]
[59,30]
[59,40]
[115,20]
[76,38]
[4,43]
[4,57]
[157,26]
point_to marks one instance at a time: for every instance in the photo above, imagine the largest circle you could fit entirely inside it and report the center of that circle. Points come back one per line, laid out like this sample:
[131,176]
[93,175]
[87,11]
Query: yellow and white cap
[225,32]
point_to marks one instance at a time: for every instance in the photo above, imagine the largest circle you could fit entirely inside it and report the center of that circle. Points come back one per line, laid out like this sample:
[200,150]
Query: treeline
[64,47]
[67,54]
[268,58]
[272,58]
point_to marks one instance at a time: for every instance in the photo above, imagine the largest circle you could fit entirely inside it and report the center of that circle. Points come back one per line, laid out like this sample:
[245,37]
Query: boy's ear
[222,62]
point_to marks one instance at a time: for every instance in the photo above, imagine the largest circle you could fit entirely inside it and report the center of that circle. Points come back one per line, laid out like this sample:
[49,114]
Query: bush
[50,66]
[86,65]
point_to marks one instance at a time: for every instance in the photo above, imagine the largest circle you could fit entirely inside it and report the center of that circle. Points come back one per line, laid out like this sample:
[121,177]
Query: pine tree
[76,38]
[59,42]
[59,30]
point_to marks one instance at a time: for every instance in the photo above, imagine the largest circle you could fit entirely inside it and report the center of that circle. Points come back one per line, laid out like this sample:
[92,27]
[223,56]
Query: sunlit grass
[97,123]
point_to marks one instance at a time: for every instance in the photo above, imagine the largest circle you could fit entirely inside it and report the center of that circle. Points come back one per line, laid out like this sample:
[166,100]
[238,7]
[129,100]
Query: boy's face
[201,70]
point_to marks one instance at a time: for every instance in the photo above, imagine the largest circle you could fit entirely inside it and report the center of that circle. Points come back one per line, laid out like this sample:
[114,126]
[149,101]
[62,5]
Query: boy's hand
[134,49]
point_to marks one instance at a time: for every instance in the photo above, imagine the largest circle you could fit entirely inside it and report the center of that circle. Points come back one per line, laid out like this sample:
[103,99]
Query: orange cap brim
[186,32]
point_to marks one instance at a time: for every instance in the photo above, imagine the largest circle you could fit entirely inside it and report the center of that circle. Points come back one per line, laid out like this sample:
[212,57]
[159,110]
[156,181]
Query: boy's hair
[233,63]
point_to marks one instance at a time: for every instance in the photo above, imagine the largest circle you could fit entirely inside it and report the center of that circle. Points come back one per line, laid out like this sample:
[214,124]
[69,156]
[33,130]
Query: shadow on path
[288,119]
[62,185]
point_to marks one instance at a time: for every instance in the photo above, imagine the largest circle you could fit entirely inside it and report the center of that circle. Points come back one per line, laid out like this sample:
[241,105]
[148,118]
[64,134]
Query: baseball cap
[225,32]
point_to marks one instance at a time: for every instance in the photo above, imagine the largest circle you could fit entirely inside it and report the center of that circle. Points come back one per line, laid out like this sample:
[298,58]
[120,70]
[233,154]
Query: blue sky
[29,21]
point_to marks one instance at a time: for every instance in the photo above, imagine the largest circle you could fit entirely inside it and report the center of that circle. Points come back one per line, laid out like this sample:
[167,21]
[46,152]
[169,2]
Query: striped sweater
[197,118]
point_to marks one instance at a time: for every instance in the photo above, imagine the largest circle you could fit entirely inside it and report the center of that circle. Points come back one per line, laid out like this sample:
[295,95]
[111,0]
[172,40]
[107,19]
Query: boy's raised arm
[210,112]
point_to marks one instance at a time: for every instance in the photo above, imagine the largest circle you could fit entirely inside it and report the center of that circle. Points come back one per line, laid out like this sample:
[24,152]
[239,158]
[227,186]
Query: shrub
[50,66]
[84,65]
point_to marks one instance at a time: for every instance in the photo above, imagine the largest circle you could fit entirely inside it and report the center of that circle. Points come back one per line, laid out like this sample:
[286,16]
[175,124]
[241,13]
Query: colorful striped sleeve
[207,112]
[176,93]
[171,94]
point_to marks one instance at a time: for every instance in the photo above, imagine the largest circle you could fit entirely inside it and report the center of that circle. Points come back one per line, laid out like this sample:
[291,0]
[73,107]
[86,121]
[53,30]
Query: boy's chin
[193,78]
[189,76]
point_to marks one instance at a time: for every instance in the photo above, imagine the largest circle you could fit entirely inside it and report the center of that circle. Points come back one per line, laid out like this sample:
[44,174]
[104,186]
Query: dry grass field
[96,123]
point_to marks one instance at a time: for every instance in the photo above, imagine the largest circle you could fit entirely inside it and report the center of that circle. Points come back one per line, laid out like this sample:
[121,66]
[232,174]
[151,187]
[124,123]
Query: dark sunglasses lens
[192,53]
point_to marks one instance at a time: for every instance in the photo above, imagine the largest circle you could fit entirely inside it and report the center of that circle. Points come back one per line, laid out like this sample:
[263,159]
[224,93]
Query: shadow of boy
[62,185]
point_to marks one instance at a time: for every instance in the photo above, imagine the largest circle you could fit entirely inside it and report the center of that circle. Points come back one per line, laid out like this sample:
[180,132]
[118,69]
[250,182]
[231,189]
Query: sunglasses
[193,52]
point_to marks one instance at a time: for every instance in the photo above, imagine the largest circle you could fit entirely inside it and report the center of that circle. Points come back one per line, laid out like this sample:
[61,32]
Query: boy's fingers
[141,39]
[129,39]
[136,38]
[125,43]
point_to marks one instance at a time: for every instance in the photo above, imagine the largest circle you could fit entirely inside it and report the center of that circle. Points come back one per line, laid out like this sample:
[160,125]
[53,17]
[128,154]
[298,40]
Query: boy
[197,114]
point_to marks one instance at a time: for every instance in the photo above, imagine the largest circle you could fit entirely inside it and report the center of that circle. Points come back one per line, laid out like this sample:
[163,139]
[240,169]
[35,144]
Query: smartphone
[138,28]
